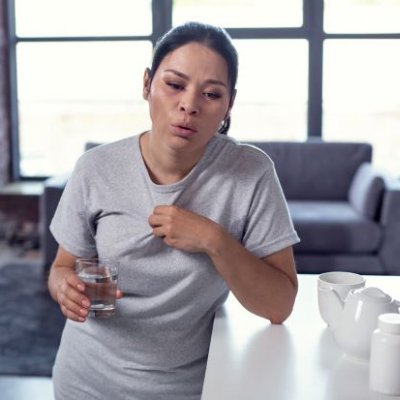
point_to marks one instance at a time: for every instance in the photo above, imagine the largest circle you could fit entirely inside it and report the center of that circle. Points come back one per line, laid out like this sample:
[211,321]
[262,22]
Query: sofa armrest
[53,189]
[390,212]
[366,190]
[390,221]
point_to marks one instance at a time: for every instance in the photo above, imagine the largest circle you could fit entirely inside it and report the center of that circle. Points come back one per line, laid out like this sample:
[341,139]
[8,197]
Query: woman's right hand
[66,288]
[69,295]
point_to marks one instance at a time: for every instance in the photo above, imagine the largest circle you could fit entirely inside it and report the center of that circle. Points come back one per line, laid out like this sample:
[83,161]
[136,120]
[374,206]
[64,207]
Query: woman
[189,213]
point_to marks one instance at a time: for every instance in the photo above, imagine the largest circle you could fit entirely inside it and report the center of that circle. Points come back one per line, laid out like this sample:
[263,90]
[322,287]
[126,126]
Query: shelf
[22,189]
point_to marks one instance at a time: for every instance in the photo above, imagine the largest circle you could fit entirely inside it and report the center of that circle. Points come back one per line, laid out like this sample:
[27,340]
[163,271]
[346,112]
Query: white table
[251,359]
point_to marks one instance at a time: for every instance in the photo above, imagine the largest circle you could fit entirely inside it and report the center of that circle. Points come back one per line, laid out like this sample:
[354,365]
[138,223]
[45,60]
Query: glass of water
[100,278]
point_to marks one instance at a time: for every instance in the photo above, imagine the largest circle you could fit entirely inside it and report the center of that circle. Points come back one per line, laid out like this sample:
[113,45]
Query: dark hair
[211,36]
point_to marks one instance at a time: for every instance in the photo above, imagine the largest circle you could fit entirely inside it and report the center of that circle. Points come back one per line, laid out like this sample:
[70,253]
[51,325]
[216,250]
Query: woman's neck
[165,166]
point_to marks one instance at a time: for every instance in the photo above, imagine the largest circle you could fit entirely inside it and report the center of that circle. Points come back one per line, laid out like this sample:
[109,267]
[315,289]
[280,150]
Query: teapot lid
[373,294]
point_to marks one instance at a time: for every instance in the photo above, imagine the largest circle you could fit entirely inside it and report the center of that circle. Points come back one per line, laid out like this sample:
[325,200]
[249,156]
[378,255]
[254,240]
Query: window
[362,16]
[361,82]
[307,68]
[84,91]
[269,89]
[78,69]
[240,13]
[87,18]
[361,96]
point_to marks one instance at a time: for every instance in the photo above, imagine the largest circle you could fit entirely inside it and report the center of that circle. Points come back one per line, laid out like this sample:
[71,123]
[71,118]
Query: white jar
[384,372]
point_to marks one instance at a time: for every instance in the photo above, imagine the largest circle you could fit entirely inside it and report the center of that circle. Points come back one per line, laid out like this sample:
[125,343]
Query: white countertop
[251,359]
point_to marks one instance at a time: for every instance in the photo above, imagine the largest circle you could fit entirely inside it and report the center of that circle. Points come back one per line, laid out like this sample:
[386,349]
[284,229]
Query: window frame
[311,30]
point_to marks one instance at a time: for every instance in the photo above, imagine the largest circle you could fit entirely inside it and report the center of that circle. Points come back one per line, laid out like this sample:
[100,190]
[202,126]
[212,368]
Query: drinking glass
[100,278]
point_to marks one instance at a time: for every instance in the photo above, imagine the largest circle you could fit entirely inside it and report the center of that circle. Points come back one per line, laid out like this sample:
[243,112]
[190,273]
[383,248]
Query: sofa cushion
[316,170]
[333,227]
[366,191]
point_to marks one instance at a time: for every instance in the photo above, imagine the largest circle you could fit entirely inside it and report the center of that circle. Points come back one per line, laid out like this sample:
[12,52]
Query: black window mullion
[266,33]
[162,18]
[12,92]
[362,35]
[313,20]
[83,38]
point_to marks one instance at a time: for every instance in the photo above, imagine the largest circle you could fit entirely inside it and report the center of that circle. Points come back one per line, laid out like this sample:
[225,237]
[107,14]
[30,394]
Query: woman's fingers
[159,231]
[74,304]
[79,316]
[72,279]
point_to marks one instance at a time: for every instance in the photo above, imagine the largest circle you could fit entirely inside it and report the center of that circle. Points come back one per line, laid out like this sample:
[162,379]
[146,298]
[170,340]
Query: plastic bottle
[384,372]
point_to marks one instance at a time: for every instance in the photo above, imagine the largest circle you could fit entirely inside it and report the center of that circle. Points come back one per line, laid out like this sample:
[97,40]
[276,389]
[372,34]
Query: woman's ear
[146,83]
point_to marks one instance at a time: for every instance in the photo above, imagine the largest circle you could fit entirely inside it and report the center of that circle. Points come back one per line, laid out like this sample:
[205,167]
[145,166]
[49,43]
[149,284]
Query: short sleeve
[71,225]
[269,227]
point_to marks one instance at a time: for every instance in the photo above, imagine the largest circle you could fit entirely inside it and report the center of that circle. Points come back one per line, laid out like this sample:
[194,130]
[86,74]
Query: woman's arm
[66,288]
[266,287]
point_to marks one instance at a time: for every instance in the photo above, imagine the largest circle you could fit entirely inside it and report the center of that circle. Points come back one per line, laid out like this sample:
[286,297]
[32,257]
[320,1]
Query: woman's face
[188,97]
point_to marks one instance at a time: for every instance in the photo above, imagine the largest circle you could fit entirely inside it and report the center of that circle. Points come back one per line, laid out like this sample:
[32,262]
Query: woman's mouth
[183,130]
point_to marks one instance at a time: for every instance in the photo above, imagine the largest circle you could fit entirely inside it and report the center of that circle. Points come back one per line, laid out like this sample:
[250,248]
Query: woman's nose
[189,104]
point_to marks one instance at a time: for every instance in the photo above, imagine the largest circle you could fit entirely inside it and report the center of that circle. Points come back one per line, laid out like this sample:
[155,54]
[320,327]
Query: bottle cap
[389,323]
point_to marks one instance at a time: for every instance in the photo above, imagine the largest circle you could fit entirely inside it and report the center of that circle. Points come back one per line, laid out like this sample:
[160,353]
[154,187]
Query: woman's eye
[174,86]
[212,95]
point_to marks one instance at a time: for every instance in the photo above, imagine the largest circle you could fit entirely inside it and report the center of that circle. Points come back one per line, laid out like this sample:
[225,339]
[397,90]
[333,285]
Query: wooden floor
[16,387]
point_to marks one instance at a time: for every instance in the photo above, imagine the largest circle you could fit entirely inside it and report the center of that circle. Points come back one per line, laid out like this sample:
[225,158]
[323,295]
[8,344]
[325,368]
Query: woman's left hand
[183,229]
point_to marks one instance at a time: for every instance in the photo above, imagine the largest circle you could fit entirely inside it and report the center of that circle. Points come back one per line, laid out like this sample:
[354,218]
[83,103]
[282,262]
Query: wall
[19,212]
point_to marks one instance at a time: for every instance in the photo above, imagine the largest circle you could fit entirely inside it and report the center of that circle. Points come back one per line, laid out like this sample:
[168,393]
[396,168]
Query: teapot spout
[334,306]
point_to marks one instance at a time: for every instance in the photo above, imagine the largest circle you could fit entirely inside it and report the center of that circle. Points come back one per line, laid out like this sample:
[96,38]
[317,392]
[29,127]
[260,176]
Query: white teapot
[354,319]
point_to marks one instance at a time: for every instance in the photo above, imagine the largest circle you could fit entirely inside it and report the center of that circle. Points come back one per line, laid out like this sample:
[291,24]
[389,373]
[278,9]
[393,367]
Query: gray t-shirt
[156,345]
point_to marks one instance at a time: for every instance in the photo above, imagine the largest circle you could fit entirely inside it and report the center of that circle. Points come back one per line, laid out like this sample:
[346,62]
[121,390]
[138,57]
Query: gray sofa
[346,213]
